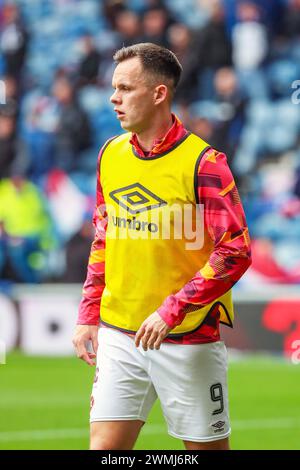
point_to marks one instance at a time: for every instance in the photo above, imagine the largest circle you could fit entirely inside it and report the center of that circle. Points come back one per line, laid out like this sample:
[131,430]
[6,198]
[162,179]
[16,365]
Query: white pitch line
[150,429]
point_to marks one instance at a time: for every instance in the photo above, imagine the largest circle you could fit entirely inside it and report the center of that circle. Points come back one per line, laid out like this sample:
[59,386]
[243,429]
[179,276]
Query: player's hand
[83,334]
[152,332]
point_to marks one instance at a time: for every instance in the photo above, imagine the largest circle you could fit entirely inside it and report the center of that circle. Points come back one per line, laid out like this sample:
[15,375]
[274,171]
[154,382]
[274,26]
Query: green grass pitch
[44,404]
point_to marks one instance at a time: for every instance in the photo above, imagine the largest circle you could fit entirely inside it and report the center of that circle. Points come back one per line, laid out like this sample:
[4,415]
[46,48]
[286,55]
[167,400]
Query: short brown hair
[155,59]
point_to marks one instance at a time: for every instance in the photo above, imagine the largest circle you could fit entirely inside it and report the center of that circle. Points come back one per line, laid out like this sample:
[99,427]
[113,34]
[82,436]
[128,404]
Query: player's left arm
[226,225]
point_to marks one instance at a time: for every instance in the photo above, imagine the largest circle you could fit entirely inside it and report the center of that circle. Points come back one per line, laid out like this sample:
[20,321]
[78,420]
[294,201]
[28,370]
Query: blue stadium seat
[281,75]
[189,12]
[2,65]
[94,99]
[260,113]
[280,138]
[253,84]
[86,184]
[287,113]
[251,146]
[206,109]
[270,225]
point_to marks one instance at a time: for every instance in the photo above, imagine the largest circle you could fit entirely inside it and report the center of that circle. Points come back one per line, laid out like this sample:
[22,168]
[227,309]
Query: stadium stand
[239,91]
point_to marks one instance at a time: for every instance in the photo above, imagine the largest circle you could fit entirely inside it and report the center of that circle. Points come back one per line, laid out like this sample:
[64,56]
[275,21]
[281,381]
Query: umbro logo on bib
[135,198]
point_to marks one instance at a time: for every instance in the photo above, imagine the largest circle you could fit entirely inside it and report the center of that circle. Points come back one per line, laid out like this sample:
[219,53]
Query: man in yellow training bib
[171,240]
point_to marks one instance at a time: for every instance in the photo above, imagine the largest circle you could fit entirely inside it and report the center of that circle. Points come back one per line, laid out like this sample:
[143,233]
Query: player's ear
[160,93]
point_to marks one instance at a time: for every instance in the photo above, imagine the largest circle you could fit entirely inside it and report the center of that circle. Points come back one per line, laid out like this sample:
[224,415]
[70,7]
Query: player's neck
[156,131]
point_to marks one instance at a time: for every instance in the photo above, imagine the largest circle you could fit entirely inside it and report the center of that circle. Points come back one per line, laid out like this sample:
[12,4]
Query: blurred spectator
[127,25]
[154,26]
[73,131]
[89,66]
[182,44]
[41,122]
[111,9]
[57,131]
[154,4]
[11,93]
[7,140]
[1,13]
[62,193]
[13,40]
[214,43]
[250,40]
[291,22]
[203,127]
[26,229]
[77,252]
[297,184]
[291,208]
[214,49]
[272,13]
[250,44]
[231,111]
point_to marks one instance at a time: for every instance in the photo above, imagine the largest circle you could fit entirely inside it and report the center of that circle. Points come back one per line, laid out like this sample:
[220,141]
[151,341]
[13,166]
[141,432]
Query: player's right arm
[89,308]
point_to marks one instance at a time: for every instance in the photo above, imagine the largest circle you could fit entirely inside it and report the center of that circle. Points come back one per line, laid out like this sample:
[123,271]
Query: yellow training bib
[155,240]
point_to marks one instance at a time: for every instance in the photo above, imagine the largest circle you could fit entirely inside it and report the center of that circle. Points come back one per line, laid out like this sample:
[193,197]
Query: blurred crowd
[240,91]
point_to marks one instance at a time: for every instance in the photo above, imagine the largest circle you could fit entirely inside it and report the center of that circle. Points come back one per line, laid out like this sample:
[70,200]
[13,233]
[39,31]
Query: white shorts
[189,380]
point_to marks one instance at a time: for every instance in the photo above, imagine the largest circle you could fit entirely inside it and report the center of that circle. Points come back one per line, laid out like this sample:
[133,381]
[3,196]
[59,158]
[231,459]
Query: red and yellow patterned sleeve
[225,222]
[89,308]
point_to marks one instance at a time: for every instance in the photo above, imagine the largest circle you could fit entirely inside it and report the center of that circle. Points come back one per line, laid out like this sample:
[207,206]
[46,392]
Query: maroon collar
[174,134]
